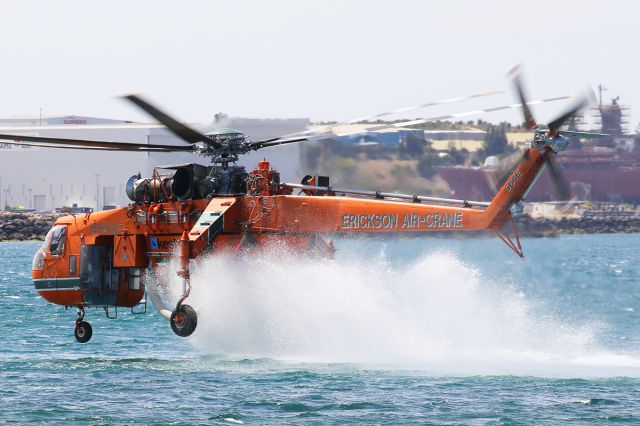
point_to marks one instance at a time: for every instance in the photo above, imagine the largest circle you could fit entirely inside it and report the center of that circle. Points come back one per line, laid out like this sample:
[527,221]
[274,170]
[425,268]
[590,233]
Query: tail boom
[516,186]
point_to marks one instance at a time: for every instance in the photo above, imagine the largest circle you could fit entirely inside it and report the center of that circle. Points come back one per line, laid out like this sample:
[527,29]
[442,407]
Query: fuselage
[100,258]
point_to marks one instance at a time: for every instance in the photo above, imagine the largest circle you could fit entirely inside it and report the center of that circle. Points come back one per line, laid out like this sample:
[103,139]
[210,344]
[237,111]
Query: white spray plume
[435,314]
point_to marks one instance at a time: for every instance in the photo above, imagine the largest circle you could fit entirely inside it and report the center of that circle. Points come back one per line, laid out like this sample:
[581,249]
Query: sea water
[395,331]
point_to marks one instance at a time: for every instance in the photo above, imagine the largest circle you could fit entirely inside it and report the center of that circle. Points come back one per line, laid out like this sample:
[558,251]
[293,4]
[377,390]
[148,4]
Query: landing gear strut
[83,330]
[184,318]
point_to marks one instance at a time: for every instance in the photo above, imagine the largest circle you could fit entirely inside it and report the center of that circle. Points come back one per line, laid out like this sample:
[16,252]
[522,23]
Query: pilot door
[98,278]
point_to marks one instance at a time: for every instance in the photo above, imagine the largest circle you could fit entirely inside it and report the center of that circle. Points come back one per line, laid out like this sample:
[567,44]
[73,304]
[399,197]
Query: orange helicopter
[101,258]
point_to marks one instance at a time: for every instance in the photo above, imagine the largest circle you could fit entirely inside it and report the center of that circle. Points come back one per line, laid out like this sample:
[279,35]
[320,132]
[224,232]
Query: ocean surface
[395,331]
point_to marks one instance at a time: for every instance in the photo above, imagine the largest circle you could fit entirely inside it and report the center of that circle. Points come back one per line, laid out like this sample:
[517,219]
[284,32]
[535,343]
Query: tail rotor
[550,137]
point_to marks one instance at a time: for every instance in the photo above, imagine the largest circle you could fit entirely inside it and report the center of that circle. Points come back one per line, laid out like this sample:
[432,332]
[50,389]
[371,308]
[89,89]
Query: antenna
[601,89]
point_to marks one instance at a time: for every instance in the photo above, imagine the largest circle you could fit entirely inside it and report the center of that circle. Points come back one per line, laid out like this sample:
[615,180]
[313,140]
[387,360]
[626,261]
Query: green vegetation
[495,140]
[411,164]
[429,160]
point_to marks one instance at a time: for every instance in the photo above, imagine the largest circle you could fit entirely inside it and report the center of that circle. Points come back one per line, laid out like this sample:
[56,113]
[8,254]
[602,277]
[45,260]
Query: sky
[326,60]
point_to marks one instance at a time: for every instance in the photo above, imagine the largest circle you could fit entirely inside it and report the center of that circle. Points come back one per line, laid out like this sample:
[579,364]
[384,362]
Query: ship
[605,170]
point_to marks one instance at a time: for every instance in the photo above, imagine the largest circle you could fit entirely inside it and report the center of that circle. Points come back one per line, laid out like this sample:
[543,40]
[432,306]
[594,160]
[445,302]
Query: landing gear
[184,320]
[83,330]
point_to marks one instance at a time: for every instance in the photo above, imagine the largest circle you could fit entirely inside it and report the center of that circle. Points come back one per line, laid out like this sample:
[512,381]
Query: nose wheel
[83,330]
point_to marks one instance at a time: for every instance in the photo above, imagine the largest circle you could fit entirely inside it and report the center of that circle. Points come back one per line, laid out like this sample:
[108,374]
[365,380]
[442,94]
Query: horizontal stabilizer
[586,135]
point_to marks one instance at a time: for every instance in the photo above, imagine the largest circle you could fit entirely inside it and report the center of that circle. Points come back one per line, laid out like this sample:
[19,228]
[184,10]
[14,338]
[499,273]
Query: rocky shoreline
[541,227]
[25,226]
[34,226]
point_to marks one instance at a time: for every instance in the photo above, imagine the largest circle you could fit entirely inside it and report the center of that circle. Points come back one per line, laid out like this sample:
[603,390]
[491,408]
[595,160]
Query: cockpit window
[54,242]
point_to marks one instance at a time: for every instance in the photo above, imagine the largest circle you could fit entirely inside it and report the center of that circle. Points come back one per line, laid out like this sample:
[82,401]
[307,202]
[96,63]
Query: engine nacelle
[188,181]
[161,188]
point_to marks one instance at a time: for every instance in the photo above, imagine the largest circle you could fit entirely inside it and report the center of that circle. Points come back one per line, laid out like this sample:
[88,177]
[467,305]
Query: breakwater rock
[543,227]
[25,226]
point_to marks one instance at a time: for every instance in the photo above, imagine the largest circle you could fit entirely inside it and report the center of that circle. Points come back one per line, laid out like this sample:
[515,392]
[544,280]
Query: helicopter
[183,212]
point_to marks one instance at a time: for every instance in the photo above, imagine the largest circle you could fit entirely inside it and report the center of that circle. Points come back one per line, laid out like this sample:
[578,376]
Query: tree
[458,156]
[429,160]
[495,140]
[411,146]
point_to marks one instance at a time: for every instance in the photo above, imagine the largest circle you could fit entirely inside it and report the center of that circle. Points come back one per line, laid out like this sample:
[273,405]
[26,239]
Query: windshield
[54,241]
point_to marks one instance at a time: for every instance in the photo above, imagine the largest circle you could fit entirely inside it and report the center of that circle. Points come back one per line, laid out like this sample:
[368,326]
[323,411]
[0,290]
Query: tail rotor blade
[559,183]
[490,179]
[558,122]
[530,122]
[508,170]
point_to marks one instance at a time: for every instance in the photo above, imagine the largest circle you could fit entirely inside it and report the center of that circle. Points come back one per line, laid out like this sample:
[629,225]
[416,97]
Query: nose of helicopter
[38,261]
[41,284]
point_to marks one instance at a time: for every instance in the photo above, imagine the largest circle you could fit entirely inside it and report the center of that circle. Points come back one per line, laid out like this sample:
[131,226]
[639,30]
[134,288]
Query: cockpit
[53,244]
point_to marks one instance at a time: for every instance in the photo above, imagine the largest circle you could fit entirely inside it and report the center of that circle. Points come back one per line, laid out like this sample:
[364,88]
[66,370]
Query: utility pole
[97,191]
[7,194]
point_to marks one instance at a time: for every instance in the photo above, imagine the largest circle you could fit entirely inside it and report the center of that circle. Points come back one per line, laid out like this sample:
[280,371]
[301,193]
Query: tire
[83,332]
[184,321]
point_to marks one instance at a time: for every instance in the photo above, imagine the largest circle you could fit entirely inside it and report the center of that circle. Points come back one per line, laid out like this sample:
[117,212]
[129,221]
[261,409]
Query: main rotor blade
[558,122]
[275,142]
[559,183]
[182,131]
[40,145]
[84,148]
[397,111]
[451,116]
[530,122]
[414,107]
[90,144]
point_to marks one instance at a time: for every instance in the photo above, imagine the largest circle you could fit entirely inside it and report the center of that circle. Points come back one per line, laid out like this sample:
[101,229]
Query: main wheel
[184,320]
[83,332]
